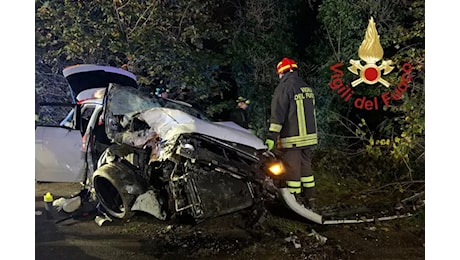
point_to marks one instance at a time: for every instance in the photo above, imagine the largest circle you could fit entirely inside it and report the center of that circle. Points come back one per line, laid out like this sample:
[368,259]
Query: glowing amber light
[276,169]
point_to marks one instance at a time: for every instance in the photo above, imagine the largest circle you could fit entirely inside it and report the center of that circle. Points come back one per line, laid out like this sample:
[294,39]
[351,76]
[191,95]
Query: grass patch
[333,189]
[286,226]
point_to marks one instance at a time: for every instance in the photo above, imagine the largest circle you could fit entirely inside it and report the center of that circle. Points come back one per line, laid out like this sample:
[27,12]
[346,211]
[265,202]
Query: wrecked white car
[163,157]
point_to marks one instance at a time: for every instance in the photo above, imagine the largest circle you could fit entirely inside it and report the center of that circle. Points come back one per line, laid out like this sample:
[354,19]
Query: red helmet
[285,64]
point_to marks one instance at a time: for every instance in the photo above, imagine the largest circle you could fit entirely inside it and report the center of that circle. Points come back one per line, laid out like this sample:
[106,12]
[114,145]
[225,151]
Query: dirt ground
[281,236]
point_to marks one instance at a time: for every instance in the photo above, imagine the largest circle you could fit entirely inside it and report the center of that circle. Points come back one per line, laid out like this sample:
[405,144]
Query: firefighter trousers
[299,177]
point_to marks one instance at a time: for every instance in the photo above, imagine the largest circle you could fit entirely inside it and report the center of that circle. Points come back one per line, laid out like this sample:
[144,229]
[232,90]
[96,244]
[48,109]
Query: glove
[271,140]
[270,144]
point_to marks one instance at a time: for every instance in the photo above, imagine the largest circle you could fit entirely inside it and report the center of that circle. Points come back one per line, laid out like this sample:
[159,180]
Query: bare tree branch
[119,19]
[331,43]
[142,16]
[182,19]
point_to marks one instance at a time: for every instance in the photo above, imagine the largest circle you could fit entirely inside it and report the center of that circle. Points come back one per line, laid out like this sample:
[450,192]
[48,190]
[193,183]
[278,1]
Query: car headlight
[275,168]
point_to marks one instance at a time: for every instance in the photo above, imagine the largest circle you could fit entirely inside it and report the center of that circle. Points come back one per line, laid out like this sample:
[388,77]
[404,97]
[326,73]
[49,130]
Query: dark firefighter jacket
[293,113]
[240,116]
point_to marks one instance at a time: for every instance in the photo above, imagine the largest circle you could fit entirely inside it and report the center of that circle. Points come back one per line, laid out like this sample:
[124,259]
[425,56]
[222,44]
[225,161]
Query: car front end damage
[183,166]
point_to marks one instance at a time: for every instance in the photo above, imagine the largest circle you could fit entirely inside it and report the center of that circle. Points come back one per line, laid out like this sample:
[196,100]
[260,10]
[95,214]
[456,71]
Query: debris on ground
[321,239]
[100,220]
[294,239]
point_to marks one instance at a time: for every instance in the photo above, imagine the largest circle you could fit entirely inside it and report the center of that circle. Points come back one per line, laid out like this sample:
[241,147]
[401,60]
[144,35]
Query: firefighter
[240,114]
[293,130]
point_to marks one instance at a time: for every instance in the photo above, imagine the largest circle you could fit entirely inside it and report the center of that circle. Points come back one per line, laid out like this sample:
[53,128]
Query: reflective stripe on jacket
[293,113]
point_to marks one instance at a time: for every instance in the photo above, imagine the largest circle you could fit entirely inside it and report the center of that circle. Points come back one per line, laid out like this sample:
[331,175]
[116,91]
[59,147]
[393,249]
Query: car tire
[109,183]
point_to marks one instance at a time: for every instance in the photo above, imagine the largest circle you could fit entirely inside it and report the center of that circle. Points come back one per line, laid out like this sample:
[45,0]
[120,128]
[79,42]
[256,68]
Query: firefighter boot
[311,204]
[309,198]
[300,199]
[295,188]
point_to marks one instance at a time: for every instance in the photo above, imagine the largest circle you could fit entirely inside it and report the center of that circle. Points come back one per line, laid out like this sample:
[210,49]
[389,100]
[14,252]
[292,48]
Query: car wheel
[109,182]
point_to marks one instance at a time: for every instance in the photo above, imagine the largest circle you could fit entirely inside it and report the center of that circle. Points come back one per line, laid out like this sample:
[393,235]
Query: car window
[54,114]
[68,120]
[127,100]
[86,112]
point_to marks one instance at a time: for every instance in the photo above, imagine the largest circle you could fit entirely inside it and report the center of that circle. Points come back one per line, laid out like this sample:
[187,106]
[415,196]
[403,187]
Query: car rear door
[58,135]
[57,155]
[57,145]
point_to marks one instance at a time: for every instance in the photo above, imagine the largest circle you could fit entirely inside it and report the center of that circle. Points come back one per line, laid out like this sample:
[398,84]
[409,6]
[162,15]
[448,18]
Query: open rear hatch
[86,76]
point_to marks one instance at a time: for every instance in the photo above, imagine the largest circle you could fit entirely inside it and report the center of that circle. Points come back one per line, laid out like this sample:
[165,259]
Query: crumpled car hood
[170,123]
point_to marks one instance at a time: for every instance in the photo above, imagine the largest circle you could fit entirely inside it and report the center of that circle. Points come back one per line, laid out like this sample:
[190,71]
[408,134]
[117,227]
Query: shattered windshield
[125,100]
[128,100]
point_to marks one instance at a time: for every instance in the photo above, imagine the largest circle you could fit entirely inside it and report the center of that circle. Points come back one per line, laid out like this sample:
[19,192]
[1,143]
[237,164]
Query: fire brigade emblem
[370,52]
